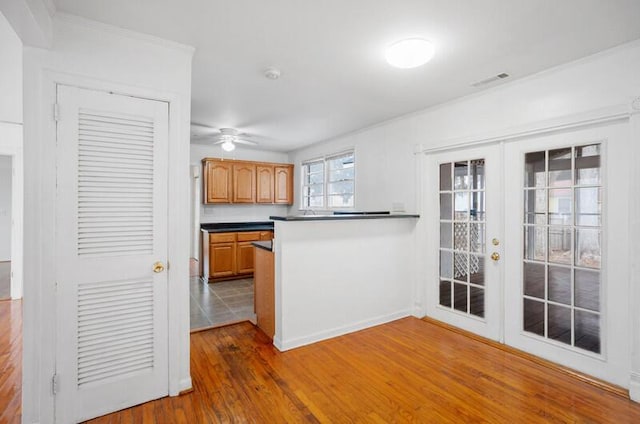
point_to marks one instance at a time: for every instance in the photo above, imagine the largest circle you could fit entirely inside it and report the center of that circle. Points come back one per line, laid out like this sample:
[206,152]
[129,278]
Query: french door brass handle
[158,267]
[495,256]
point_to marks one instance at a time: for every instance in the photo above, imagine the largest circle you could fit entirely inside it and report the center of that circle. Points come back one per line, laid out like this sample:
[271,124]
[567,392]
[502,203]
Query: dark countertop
[266,245]
[223,227]
[341,217]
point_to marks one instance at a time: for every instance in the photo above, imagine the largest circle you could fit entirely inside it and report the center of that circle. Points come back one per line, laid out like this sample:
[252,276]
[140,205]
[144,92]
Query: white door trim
[11,145]
[40,171]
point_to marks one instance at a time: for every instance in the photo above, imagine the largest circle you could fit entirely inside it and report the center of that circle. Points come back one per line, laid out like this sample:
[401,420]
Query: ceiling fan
[226,137]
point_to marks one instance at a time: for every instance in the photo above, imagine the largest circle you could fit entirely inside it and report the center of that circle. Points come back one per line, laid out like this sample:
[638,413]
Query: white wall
[385,164]
[5,208]
[335,277]
[10,74]
[97,56]
[236,213]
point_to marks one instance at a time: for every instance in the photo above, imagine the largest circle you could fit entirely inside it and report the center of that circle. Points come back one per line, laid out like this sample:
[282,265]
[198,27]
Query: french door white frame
[11,145]
[40,189]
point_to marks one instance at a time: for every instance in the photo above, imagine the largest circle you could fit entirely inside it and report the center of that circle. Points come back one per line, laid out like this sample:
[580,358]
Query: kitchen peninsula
[334,274]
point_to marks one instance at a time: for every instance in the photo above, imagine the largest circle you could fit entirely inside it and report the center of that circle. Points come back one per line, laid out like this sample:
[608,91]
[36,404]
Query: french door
[111,237]
[463,200]
[529,246]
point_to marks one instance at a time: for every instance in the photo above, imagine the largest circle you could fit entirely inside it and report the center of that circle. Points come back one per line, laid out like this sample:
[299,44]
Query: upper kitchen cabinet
[244,182]
[217,182]
[265,183]
[283,176]
[231,181]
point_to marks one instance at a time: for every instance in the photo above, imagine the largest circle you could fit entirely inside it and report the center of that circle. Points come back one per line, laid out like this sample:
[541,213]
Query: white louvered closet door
[111,207]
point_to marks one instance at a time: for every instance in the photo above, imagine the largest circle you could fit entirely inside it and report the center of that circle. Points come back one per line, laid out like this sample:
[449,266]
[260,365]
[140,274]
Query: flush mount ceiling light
[410,53]
[227,144]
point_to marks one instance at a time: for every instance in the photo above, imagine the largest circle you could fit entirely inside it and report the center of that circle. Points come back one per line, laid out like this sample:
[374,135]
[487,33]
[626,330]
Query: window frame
[326,175]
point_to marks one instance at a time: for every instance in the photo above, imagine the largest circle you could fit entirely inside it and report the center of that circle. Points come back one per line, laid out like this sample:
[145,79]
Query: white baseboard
[185,384]
[634,387]
[283,345]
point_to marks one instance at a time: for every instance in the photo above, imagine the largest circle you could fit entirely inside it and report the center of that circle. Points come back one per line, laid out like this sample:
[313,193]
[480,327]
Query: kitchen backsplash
[239,213]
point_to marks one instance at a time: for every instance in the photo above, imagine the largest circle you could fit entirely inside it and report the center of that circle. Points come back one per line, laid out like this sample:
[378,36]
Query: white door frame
[11,145]
[40,171]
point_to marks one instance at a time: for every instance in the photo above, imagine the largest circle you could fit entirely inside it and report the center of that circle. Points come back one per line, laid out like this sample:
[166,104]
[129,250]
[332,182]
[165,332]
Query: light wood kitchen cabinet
[283,178]
[265,183]
[232,181]
[231,255]
[244,182]
[222,259]
[264,291]
[217,182]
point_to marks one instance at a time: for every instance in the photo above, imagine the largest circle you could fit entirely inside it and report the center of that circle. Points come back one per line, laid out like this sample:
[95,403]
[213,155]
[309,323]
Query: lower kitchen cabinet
[231,254]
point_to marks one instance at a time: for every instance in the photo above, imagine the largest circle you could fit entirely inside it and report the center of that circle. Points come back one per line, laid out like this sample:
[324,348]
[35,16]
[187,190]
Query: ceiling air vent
[490,79]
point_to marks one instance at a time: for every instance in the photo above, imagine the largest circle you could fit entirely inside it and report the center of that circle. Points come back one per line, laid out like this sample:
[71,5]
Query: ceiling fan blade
[248,142]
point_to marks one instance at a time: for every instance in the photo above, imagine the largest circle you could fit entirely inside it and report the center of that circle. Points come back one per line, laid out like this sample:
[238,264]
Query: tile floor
[5,280]
[220,303]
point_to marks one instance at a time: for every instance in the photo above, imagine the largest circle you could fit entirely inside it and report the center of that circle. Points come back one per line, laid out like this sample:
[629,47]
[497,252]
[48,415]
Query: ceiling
[331,54]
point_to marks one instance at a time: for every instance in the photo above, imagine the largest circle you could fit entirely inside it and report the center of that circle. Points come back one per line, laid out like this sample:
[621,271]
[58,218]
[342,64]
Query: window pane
[535,243]
[535,206]
[560,284]
[445,235]
[461,176]
[477,174]
[588,165]
[588,206]
[342,174]
[445,177]
[314,202]
[315,178]
[559,323]
[461,266]
[462,206]
[460,297]
[560,206]
[560,167]
[587,291]
[460,236]
[588,331]
[534,317]
[588,247]
[477,237]
[446,210]
[341,162]
[477,212]
[534,280]
[340,201]
[534,169]
[476,301]
[445,293]
[560,245]
[342,187]
[446,264]
[314,190]
[476,269]
[315,167]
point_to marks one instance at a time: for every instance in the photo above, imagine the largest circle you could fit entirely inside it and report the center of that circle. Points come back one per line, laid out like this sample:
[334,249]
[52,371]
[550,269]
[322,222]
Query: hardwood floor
[405,371]
[10,361]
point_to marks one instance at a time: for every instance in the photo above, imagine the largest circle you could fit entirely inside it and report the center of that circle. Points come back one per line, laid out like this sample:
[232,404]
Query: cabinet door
[283,184]
[266,235]
[244,183]
[217,182]
[245,258]
[264,176]
[222,259]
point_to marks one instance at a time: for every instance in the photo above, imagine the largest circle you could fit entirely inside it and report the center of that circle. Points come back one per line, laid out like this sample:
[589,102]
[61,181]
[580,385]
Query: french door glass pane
[462,236]
[562,245]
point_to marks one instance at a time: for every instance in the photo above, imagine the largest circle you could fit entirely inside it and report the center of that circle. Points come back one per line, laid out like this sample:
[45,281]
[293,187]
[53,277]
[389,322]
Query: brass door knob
[495,256]
[158,267]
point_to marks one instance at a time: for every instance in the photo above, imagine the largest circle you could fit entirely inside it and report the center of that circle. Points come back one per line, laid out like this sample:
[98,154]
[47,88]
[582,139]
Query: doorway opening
[6,180]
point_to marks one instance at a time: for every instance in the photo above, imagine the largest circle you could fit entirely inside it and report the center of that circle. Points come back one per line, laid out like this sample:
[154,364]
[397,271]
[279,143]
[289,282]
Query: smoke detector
[491,79]
[272,73]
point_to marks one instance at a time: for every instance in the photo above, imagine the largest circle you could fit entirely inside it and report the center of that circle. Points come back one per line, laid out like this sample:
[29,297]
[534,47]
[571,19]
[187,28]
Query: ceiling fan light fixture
[410,53]
[228,146]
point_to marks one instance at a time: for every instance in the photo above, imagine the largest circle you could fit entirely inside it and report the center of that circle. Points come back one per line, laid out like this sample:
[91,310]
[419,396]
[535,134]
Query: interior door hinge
[56,112]
[55,384]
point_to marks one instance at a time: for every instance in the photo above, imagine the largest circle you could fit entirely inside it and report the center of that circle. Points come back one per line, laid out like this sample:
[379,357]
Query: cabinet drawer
[222,237]
[249,236]
[266,235]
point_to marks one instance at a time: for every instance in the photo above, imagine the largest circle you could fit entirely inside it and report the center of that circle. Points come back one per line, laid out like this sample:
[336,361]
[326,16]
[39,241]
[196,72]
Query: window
[329,183]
